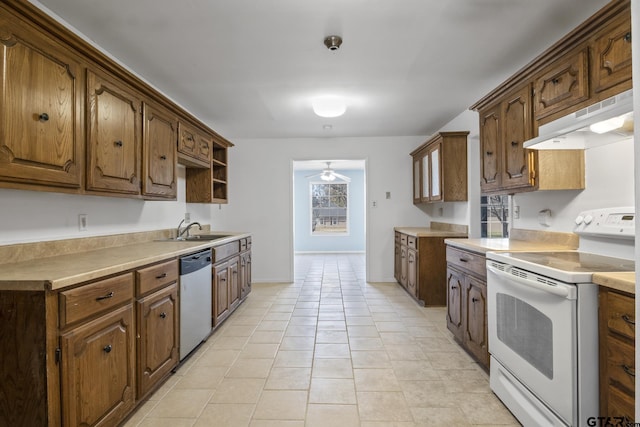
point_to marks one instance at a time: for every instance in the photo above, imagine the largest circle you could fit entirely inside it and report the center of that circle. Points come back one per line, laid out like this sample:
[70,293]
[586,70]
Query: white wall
[261,197]
[609,182]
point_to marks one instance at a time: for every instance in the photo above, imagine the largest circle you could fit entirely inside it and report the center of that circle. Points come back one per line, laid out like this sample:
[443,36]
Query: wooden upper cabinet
[612,56]
[562,84]
[159,153]
[440,168]
[490,146]
[517,128]
[41,140]
[113,136]
[194,148]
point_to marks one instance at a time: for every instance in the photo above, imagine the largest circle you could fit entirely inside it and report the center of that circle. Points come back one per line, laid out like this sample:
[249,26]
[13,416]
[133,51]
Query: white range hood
[579,130]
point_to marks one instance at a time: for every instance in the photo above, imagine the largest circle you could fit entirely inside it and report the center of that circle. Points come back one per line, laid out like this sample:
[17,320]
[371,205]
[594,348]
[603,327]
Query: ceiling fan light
[329,106]
[327,176]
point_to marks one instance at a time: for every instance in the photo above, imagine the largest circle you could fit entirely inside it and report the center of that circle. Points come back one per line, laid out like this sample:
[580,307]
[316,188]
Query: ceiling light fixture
[329,106]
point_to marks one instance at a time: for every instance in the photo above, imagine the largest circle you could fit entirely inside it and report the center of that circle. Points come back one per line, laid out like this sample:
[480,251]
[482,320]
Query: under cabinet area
[440,168]
[617,354]
[467,302]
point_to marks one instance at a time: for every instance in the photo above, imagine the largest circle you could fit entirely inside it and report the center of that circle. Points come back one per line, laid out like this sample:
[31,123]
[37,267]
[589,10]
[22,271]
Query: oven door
[532,333]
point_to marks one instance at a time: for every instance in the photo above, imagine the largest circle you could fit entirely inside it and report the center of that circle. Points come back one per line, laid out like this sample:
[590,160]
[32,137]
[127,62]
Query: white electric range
[543,321]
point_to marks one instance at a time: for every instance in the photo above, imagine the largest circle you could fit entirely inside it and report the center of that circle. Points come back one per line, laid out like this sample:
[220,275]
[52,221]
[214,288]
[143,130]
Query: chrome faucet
[186,229]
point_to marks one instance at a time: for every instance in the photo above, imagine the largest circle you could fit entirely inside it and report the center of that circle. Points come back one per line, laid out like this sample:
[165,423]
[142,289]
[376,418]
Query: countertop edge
[623,281]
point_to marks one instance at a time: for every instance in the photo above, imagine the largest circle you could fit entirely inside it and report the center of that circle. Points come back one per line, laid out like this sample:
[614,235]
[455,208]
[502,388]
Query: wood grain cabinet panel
[245,274]
[616,324]
[517,129]
[490,149]
[194,148]
[440,168]
[41,138]
[157,323]
[563,84]
[98,375]
[113,136]
[221,306]
[455,289]
[475,311]
[612,56]
[159,153]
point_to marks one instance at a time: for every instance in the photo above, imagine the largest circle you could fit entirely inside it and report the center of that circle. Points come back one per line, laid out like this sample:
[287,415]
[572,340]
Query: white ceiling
[249,68]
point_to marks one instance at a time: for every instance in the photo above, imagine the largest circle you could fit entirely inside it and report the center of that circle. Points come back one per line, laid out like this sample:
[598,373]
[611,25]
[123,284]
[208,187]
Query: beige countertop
[61,271]
[622,281]
[428,232]
[504,245]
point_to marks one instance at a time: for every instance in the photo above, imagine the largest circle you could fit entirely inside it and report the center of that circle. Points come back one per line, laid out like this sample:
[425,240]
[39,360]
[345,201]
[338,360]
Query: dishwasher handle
[195,262]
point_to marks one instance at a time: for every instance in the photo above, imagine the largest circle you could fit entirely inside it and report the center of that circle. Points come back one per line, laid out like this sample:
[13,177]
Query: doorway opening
[328,207]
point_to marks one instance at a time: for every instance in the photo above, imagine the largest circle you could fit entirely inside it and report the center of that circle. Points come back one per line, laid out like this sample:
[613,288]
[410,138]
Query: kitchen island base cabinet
[467,302]
[420,267]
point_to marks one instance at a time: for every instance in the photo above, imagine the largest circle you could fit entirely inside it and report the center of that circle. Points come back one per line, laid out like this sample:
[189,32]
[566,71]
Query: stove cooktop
[568,266]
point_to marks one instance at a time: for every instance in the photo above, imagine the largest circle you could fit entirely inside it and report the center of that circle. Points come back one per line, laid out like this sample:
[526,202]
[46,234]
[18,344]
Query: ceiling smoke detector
[333,42]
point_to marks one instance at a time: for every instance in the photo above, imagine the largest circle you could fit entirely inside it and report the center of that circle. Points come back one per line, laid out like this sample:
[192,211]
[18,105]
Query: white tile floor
[327,350]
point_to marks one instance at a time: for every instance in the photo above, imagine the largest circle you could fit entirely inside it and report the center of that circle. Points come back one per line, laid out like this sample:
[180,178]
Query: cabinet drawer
[471,262]
[397,237]
[621,315]
[621,363]
[412,242]
[403,239]
[225,251]
[80,303]
[156,276]
[243,245]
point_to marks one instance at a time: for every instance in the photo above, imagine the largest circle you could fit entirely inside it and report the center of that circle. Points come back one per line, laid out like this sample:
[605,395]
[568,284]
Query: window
[329,208]
[494,216]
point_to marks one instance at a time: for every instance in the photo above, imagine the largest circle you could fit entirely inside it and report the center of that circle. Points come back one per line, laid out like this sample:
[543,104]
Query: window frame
[314,233]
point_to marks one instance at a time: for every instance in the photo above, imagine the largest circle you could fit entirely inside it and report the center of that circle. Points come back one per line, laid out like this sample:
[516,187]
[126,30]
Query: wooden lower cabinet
[245,274]
[231,278]
[221,308]
[98,375]
[420,267]
[617,354]
[158,327]
[467,302]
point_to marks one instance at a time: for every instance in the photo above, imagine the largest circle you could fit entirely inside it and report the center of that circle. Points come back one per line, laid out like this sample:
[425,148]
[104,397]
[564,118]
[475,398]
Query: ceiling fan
[329,174]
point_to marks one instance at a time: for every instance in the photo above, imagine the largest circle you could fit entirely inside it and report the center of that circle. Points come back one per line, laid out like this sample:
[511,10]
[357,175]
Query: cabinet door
[157,316]
[475,321]
[612,55]
[426,171]
[113,137]
[245,274]
[563,85]
[490,149]
[41,139]
[159,153]
[397,262]
[404,263]
[98,370]
[412,272]
[517,128]
[435,173]
[234,282]
[220,292]
[204,146]
[455,286]
[417,180]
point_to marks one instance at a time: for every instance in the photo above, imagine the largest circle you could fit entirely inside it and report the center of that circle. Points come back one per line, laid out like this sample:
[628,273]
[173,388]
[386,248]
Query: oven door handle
[559,291]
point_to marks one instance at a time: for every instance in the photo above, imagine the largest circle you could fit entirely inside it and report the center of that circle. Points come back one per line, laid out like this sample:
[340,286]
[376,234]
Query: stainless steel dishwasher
[195,300]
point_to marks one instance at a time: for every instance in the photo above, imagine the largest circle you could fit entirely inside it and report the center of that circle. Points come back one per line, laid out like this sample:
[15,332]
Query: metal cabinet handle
[161,276]
[107,296]
[463,260]
[627,37]
[44,117]
[629,371]
[627,319]
[454,287]
[163,315]
[474,300]
[514,143]
[489,153]
[163,157]
[107,348]
[223,280]
[118,143]
[555,81]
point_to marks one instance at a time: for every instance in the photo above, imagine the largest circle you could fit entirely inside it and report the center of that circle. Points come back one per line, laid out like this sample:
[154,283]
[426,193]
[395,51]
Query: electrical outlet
[187,217]
[374,204]
[388,195]
[516,212]
[82,222]
[544,217]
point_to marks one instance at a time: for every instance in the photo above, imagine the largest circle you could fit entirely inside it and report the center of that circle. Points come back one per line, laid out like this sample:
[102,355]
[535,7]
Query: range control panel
[610,222]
